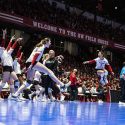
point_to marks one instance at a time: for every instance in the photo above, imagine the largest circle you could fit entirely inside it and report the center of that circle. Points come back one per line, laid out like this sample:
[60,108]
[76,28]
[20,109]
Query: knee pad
[16,84]
[35,82]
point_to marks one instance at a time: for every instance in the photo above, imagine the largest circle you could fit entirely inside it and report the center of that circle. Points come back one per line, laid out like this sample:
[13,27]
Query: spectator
[73,86]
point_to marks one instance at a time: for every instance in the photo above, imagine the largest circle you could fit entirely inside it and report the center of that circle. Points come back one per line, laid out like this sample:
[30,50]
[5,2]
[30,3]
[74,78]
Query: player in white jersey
[36,83]
[29,60]
[17,66]
[40,67]
[29,74]
[2,49]
[36,65]
[7,63]
[101,65]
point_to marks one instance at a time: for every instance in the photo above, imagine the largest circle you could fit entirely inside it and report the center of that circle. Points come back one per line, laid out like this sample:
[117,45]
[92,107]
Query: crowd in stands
[43,11]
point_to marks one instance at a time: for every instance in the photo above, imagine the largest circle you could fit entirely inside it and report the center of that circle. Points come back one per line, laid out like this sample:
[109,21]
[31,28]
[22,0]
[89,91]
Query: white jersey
[31,55]
[37,76]
[40,50]
[100,63]
[6,59]
[16,67]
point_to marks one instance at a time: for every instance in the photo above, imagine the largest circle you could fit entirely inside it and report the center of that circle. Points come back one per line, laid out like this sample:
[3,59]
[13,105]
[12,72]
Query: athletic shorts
[7,69]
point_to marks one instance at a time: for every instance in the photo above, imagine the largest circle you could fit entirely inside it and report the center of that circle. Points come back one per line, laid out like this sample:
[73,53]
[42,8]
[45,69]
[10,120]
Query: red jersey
[73,79]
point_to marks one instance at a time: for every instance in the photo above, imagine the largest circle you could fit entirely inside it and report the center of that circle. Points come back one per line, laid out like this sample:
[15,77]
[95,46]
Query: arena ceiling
[111,9]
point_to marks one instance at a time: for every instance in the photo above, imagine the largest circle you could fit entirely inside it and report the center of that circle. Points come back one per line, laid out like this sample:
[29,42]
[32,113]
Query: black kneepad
[35,82]
[29,81]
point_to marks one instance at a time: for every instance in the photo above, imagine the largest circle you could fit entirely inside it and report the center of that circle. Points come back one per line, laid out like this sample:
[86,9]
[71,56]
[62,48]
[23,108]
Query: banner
[70,33]
[27,22]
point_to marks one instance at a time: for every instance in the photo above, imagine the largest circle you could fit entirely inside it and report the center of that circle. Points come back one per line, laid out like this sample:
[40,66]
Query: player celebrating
[101,65]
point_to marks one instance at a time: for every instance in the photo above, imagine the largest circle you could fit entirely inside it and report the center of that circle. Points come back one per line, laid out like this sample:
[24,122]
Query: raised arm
[10,51]
[10,43]
[20,57]
[19,52]
[109,68]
